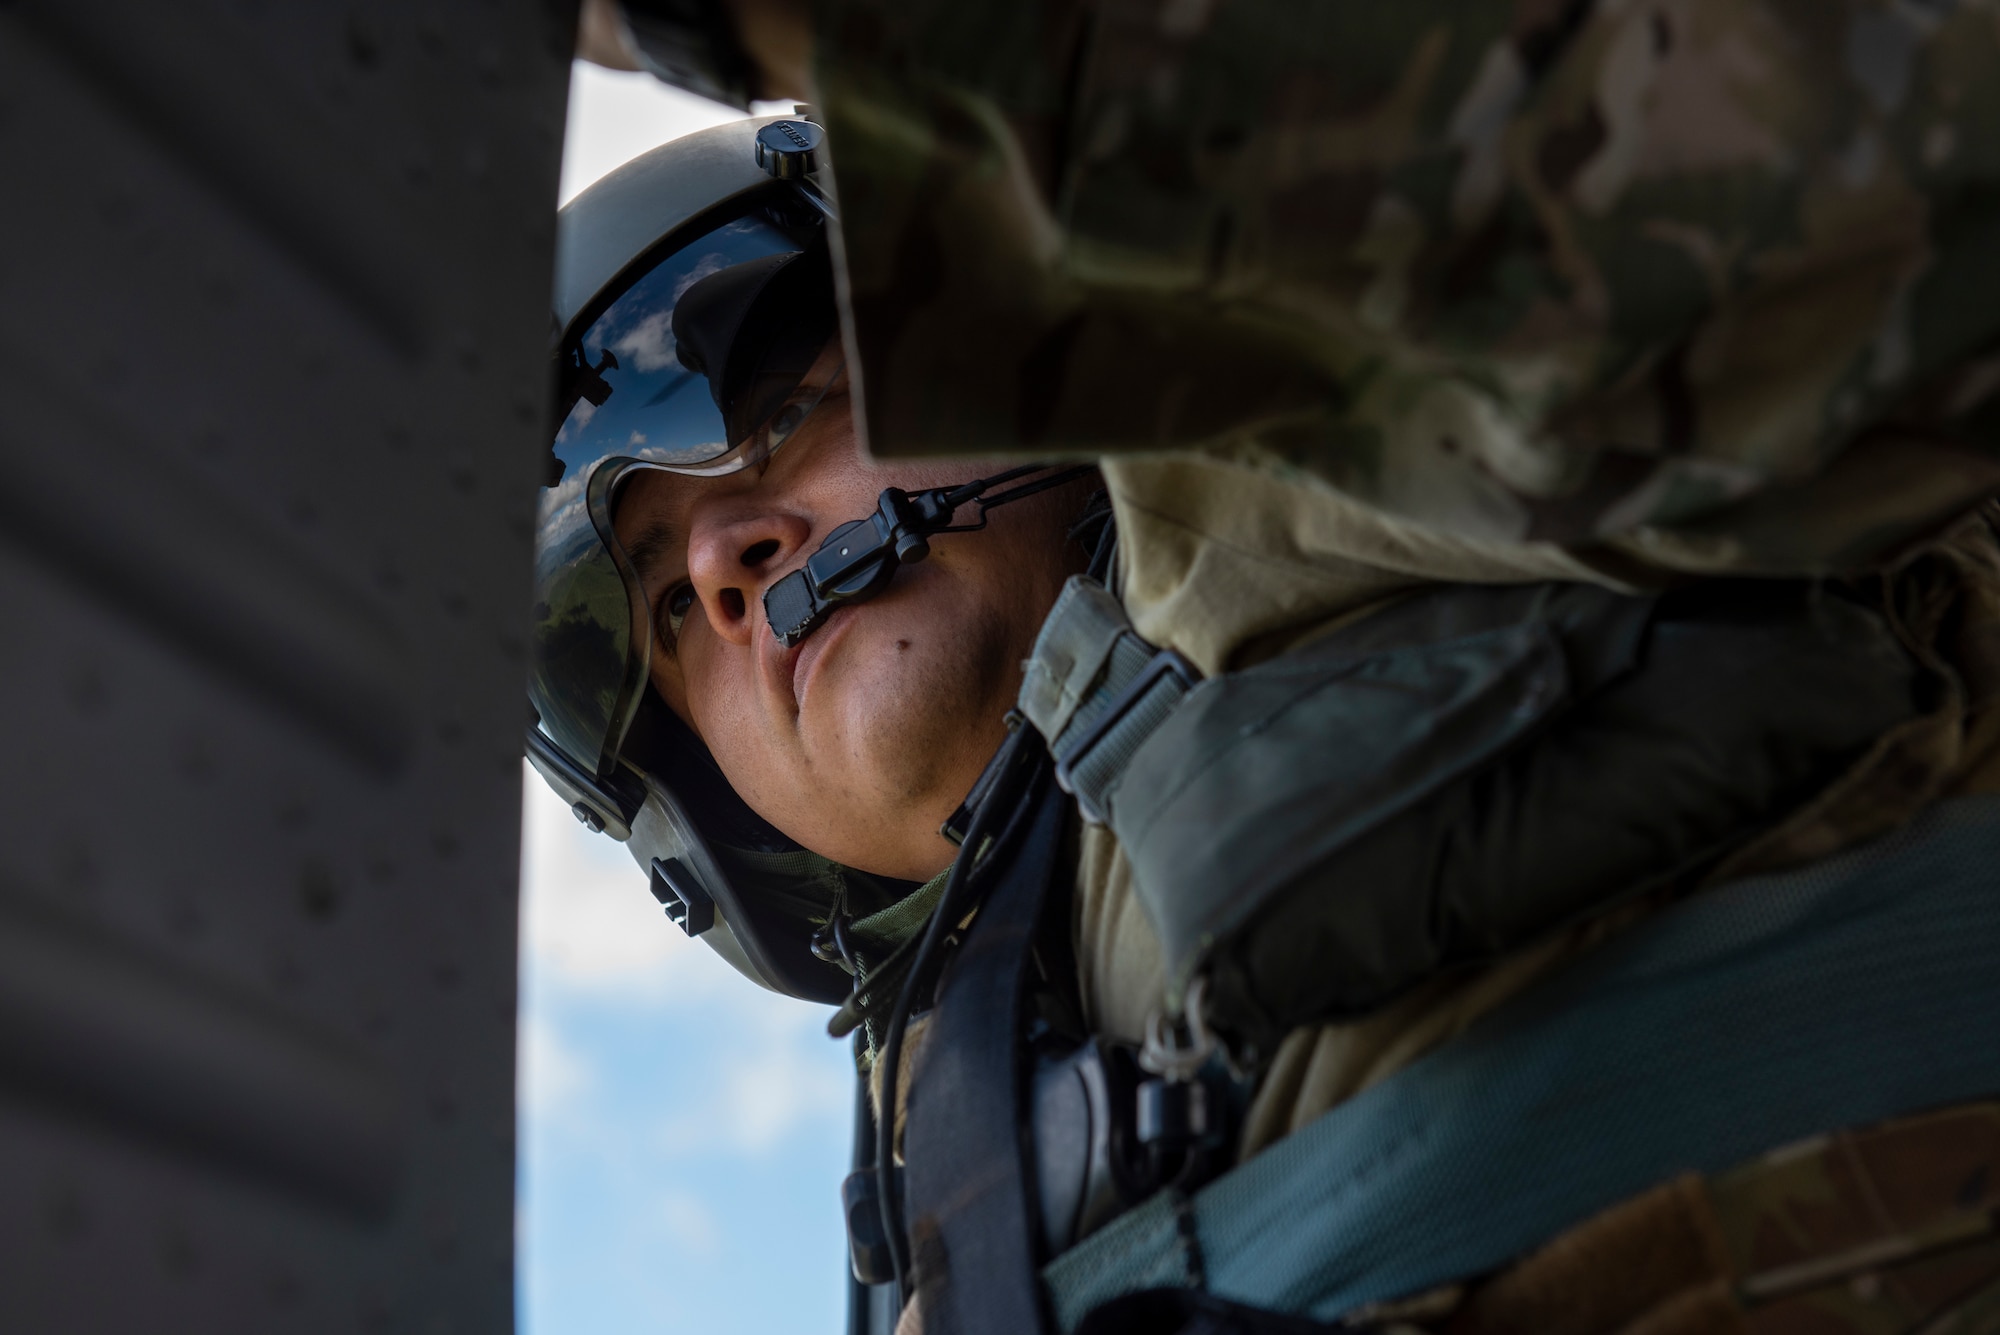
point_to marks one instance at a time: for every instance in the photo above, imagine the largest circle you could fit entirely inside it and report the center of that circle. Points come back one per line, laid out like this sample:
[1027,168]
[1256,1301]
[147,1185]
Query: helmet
[694,322]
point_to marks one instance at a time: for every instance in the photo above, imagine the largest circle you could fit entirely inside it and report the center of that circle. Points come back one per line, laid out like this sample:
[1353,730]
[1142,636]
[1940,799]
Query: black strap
[971,1212]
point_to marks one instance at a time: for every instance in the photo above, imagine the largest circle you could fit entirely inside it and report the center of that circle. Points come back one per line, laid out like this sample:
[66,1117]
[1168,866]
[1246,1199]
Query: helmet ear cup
[661,745]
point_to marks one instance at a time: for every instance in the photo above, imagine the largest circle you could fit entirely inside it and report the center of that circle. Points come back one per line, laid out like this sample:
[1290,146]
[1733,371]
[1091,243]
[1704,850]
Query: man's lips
[794,666]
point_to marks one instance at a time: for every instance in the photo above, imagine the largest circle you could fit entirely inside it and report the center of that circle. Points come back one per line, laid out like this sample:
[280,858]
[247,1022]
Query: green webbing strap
[1097,691]
[1755,1015]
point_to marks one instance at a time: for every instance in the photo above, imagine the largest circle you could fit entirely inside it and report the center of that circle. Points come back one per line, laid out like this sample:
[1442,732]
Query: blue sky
[683,1132]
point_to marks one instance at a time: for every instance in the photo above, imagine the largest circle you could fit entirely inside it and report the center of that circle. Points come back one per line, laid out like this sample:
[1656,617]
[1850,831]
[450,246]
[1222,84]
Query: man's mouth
[797,664]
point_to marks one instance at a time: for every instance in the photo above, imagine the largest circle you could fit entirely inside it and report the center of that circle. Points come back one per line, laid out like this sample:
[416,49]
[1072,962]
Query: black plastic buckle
[867,1244]
[1163,663]
[686,902]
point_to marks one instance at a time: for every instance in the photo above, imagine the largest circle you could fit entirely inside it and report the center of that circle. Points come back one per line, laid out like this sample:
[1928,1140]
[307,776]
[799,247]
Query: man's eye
[677,604]
[786,421]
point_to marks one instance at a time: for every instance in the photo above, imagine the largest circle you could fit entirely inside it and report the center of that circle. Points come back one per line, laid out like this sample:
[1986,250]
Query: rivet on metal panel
[319,895]
[389,575]
[364,44]
[283,971]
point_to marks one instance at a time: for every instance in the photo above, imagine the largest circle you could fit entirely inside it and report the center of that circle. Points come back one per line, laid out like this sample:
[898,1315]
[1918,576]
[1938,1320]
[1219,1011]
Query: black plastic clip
[867,1244]
[1164,663]
[1175,1116]
[687,903]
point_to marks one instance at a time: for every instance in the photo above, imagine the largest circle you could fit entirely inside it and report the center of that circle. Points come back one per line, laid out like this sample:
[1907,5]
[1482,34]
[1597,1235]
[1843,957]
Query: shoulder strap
[972,1219]
[1756,1015]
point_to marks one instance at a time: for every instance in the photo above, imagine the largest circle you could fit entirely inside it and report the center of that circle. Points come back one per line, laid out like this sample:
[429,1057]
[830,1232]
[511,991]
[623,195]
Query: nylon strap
[1097,691]
[972,1219]
[1753,1016]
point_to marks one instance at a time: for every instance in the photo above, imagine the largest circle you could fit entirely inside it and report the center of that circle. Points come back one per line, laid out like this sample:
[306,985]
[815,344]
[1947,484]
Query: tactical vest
[1420,791]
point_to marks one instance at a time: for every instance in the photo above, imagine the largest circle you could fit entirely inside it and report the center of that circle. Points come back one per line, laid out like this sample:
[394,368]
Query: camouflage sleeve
[1712,280]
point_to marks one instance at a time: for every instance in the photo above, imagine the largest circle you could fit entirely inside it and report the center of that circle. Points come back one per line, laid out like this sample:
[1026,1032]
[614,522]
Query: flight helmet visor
[706,364]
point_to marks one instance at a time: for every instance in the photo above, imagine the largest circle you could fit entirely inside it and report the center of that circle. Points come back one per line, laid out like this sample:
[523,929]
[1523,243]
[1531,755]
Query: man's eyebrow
[646,551]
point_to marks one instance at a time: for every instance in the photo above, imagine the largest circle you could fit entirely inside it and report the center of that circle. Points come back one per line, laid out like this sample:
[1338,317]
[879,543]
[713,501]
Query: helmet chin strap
[859,558]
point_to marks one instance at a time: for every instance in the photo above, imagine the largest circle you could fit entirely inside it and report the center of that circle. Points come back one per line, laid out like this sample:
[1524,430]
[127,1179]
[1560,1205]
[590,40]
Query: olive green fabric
[1457,776]
[883,932]
[1708,283]
[883,945]
[1196,558]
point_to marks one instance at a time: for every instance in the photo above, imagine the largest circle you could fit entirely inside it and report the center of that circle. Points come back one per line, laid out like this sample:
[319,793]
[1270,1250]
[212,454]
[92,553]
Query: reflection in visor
[629,401]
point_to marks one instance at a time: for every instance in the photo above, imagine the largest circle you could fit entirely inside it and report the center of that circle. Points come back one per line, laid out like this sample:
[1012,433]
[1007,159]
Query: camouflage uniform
[1352,297]
[1702,282]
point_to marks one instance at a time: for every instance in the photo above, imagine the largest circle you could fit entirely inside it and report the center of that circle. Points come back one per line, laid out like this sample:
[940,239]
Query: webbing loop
[1096,690]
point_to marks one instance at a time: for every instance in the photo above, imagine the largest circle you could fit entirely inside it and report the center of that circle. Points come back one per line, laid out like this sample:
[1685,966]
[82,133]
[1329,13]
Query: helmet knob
[789,149]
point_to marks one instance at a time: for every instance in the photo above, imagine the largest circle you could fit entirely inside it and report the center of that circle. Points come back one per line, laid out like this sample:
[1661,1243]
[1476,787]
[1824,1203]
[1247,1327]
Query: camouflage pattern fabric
[1713,284]
[1889,1230]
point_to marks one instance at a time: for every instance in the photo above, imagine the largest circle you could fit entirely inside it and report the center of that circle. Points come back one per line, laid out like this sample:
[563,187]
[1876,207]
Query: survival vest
[1423,790]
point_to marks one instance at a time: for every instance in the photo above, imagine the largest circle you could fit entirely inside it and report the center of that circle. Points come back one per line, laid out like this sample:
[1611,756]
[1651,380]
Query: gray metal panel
[273,319]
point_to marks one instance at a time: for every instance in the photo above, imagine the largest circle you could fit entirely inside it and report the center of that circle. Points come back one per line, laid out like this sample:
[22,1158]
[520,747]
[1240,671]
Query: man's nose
[731,557]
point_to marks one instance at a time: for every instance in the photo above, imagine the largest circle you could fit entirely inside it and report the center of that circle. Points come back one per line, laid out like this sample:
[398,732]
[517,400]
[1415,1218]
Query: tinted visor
[704,390]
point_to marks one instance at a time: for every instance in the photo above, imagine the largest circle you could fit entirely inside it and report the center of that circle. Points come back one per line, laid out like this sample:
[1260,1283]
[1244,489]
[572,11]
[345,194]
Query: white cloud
[579,418]
[548,1070]
[588,922]
[776,1073]
[767,1095]
[648,343]
[591,930]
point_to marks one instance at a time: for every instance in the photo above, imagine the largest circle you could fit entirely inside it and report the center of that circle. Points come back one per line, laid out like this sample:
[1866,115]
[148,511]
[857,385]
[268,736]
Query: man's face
[861,740]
